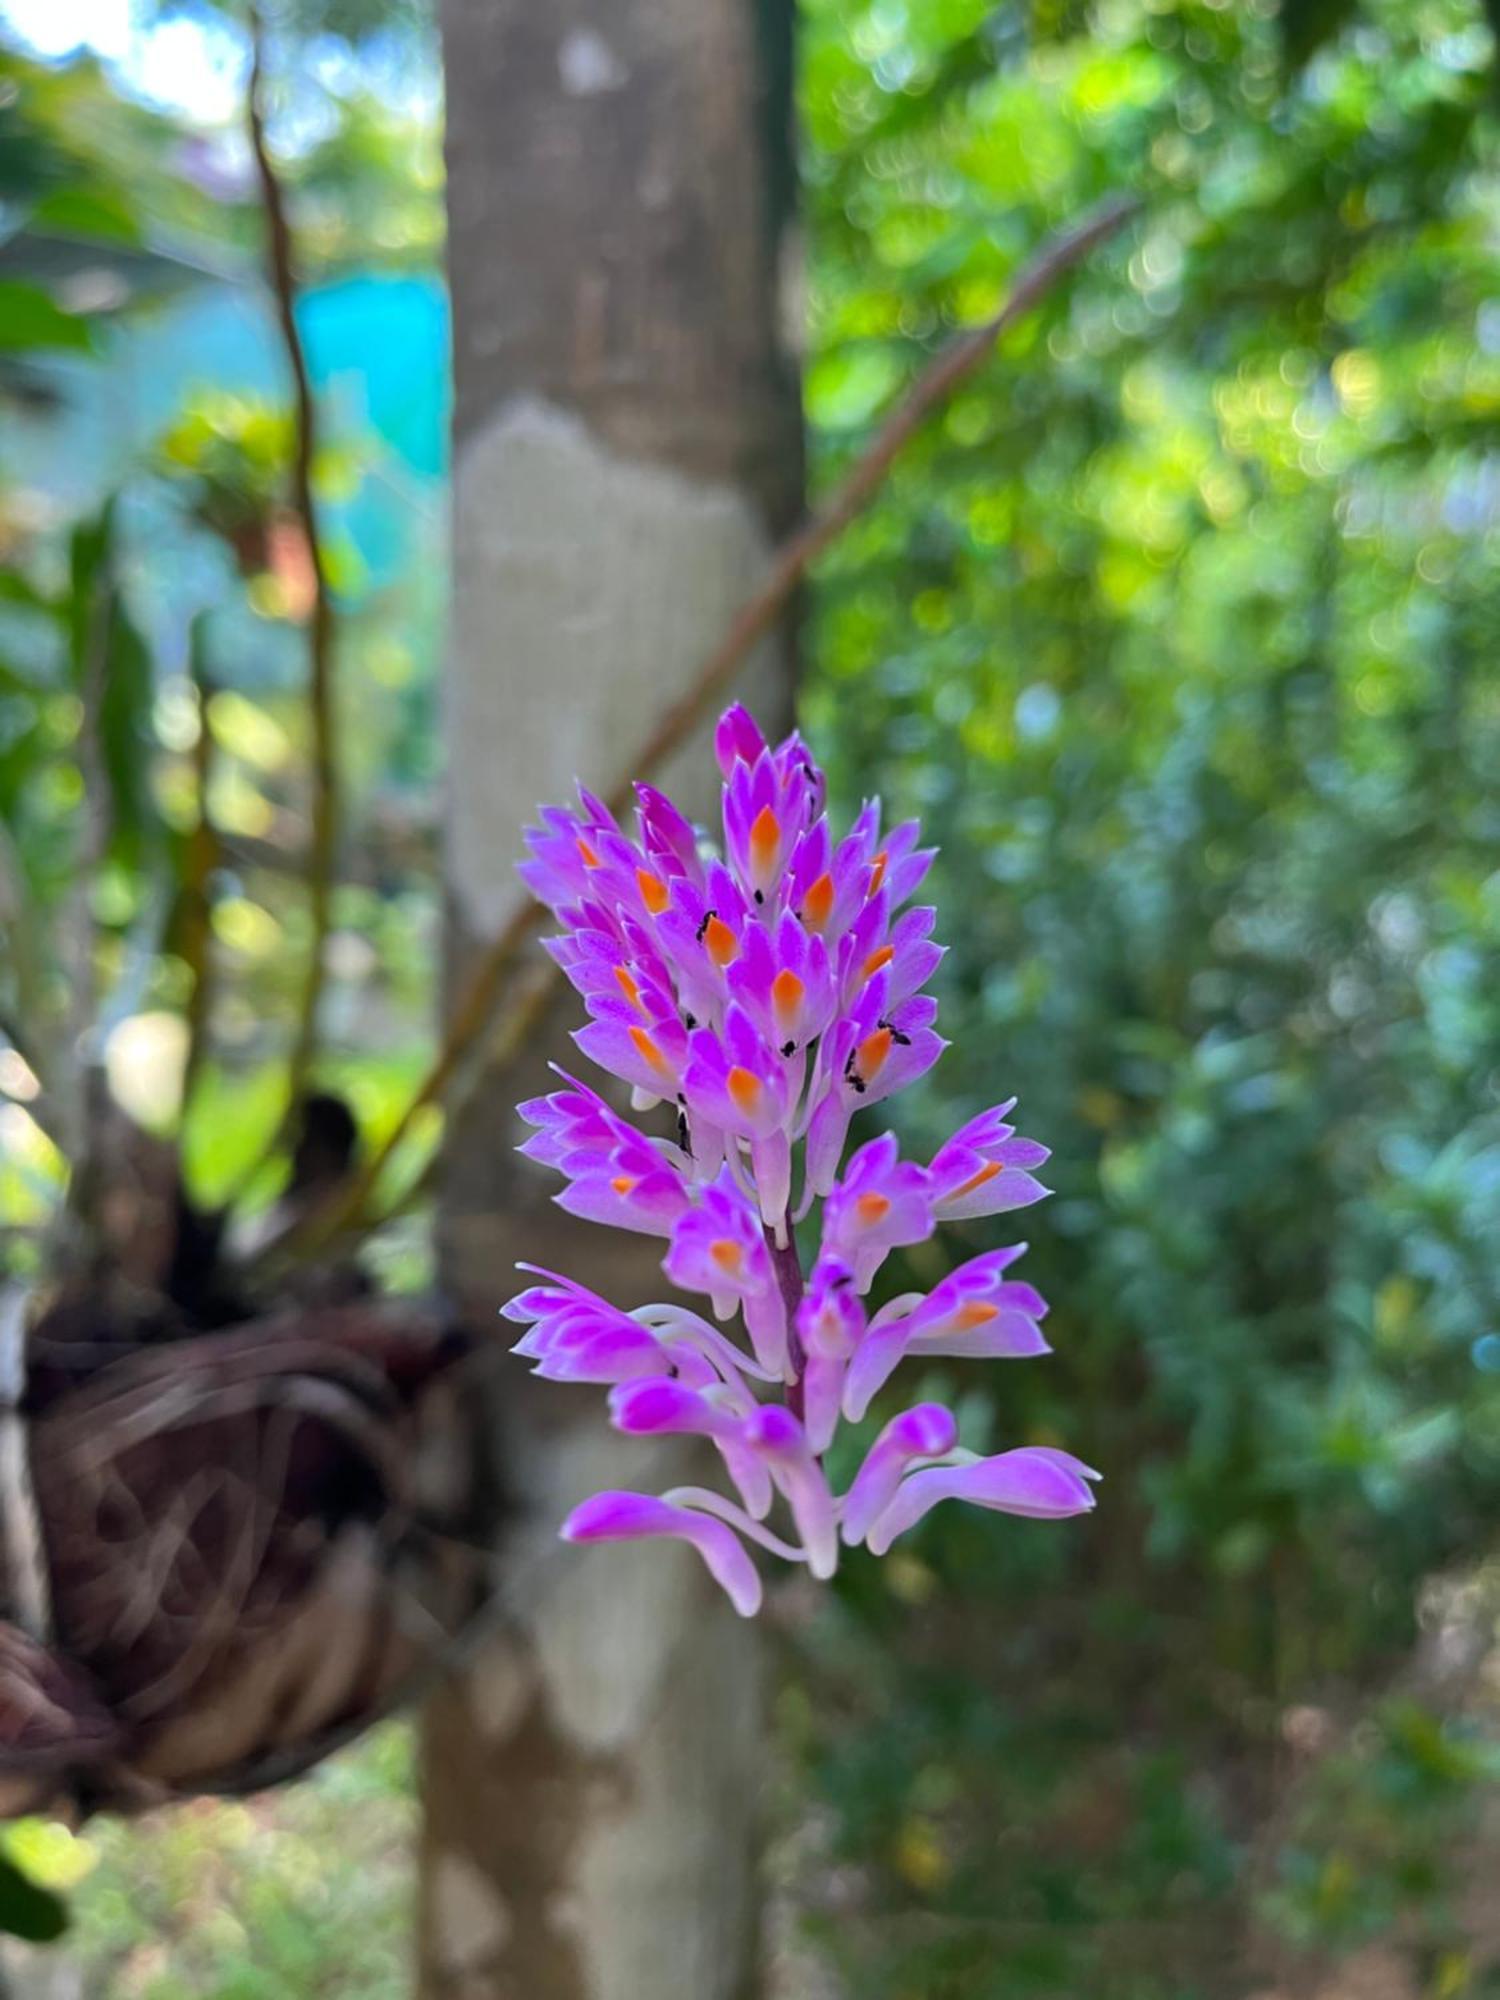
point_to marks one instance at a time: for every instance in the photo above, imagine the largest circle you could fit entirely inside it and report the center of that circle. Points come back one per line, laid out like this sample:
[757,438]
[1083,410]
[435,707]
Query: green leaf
[30,319]
[125,731]
[26,1909]
[97,212]
[112,667]
[18,589]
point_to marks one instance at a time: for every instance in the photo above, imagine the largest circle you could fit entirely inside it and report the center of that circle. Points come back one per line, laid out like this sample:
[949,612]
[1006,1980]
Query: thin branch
[281,268]
[346,1216]
[475,1007]
[933,387]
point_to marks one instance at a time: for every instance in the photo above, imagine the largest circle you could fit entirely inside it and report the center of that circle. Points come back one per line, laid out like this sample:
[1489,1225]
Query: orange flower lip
[743,1086]
[628,983]
[787,992]
[817,904]
[622,1184]
[720,942]
[872,1208]
[654,893]
[586,853]
[872,1053]
[978,1312]
[727,1254]
[986,1173]
[877,870]
[650,1051]
[765,839]
[878,960]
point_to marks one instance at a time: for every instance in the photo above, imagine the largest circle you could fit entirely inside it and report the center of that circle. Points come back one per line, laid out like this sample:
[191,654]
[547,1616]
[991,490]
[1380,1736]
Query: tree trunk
[626,449]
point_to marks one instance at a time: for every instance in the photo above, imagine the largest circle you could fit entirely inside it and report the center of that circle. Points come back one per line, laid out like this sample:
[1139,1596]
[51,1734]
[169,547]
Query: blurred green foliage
[1180,633]
[302,1892]
[155,754]
[1379,1835]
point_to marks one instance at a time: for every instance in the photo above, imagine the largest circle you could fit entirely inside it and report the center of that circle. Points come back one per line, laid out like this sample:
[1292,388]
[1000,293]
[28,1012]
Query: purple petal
[666,835]
[995,1194]
[879,1205]
[822,1391]
[1040,1483]
[771,1162]
[925,1431]
[780,1440]
[629,1051]
[826,1136]
[618,1517]
[737,738]
[649,1204]
[718,1247]
[1009,1336]
[985,1168]
[615,1355]
[876,1360]
[660,1408]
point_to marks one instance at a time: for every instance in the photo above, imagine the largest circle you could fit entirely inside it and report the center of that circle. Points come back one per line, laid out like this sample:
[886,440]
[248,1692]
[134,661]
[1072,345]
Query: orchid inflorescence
[767,997]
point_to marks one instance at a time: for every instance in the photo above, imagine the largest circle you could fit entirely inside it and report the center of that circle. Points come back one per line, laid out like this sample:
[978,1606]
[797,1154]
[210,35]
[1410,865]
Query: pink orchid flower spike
[767,987]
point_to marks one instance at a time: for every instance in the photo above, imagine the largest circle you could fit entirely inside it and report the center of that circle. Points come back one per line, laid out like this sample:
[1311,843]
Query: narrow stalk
[281,271]
[706,1501]
[730,1360]
[788,1268]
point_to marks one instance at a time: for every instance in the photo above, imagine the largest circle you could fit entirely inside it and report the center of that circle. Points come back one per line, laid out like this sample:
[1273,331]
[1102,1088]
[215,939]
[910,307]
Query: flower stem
[709,1502]
[788,1268]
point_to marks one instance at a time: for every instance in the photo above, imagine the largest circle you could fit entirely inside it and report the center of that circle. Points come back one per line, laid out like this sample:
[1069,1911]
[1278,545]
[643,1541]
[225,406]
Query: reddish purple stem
[788,1268]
